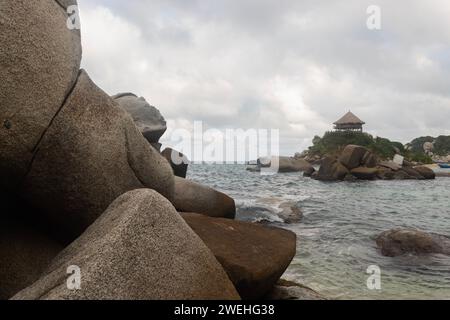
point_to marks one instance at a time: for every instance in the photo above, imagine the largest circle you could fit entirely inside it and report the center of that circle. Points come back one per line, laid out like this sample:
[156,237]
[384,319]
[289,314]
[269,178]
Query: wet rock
[425,172]
[178,161]
[352,156]
[193,197]
[92,154]
[139,249]
[288,290]
[309,172]
[290,213]
[364,173]
[40,59]
[385,173]
[146,117]
[254,257]
[397,242]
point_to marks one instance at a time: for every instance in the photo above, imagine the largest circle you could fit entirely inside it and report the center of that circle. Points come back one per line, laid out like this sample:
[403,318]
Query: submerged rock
[146,117]
[139,249]
[397,242]
[193,197]
[253,256]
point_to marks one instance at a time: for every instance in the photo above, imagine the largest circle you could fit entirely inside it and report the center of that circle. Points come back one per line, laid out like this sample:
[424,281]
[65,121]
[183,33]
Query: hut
[349,122]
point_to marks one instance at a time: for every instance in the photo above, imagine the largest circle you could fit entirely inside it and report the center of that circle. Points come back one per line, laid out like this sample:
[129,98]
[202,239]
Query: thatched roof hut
[349,122]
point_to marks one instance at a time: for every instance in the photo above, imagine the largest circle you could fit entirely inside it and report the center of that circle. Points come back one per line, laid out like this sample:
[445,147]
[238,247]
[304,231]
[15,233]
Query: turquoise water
[336,238]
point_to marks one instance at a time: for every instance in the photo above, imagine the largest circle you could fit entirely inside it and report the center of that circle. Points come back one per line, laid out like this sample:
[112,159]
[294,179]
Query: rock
[40,59]
[67,3]
[402,175]
[25,252]
[287,290]
[352,156]
[285,164]
[390,165]
[139,249]
[412,173]
[309,172]
[398,159]
[146,117]
[90,155]
[397,242]
[369,160]
[178,161]
[331,170]
[193,197]
[385,174]
[406,163]
[157,146]
[252,168]
[350,178]
[425,172]
[364,173]
[290,213]
[254,257]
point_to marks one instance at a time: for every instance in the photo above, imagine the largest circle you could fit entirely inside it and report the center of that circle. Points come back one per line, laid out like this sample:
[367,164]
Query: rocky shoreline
[88,168]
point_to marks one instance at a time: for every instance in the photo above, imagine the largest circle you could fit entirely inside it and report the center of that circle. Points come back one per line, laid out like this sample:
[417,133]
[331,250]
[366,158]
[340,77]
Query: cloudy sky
[291,65]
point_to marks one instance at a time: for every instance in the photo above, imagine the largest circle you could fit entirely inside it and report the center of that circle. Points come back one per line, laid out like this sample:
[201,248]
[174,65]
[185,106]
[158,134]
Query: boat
[444,165]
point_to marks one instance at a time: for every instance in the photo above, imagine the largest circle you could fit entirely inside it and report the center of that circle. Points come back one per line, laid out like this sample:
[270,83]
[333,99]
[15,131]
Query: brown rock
[92,154]
[287,290]
[425,172]
[253,256]
[178,161]
[369,160]
[364,173]
[352,156]
[385,173]
[193,197]
[40,59]
[412,173]
[331,170]
[400,241]
[139,249]
[390,165]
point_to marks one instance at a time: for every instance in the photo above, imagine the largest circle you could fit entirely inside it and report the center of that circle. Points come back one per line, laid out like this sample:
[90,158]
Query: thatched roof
[349,118]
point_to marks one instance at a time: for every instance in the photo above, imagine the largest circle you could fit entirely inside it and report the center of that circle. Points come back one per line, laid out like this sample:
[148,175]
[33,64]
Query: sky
[292,65]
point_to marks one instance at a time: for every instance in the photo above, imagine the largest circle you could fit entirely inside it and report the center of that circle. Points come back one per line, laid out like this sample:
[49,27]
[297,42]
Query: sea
[336,245]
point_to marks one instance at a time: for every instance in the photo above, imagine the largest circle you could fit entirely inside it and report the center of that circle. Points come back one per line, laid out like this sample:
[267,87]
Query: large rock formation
[140,248]
[146,117]
[193,197]
[91,154]
[40,58]
[285,164]
[254,257]
[331,170]
[178,161]
[352,156]
[397,242]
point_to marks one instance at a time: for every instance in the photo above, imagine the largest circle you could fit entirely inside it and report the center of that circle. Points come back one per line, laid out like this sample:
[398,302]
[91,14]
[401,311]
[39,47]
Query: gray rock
[139,249]
[40,59]
[253,256]
[178,161]
[193,197]
[146,117]
[92,154]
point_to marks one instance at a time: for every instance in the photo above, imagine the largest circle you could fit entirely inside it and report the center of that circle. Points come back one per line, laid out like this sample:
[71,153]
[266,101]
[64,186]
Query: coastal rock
[286,164]
[146,117]
[403,175]
[139,249]
[91,154]
[288,290]
[401,241]
[414,174]
[193,197]
[290,212]
[254,256]
[390,165]
[427,173]
[178,161]
[40,58]
[369,160]
[352,156]
[25,252]
[364,173]
[385,173]
[331,170]
[309,172]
